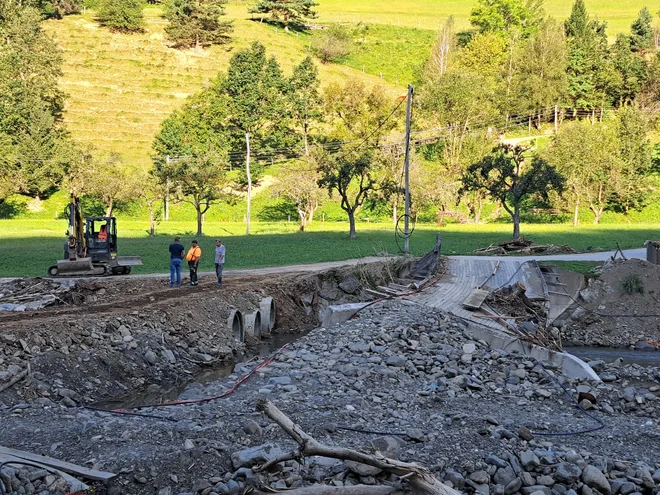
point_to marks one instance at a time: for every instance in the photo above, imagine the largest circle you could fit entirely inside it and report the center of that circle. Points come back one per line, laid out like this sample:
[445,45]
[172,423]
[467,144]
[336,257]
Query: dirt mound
[619,307]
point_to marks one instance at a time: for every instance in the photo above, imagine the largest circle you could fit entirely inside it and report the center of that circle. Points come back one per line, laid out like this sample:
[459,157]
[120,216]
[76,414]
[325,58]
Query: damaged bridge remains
[411,394]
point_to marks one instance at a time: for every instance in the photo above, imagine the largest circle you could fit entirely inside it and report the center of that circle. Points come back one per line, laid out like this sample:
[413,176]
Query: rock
[362,469]
[628,488]
[656,476]
[529,460]
[594,478]
[150,357]
[188,444]
[513,487]
[255,455]
[504,476]
[567,473]
[480,477]
[201,485]
[525,433]
[280,380]
[388,446]
[416,434]
[455,478]
[396,361]
[124,331]
[469,348]
[496,461]
[643,345]
[165,491]
[629,394]
[169,356]
[545,480]
[536,489]
[252,428]
[350,285]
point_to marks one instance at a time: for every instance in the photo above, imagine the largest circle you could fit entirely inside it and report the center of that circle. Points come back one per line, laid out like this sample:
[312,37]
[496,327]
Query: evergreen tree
[590,72]
[125,16]
[31,133]
[641,32]
[631,71]
[196,23]
[289,12]
[56,9]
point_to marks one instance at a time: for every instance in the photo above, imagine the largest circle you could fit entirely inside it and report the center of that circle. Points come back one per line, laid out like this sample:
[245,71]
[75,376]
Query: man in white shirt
[219,260]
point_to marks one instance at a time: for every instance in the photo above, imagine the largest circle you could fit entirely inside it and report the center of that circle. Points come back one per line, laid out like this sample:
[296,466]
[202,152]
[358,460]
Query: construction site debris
[523,246]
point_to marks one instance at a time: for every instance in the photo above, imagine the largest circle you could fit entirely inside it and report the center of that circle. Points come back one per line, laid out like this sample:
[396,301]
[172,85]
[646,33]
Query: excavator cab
[91,248]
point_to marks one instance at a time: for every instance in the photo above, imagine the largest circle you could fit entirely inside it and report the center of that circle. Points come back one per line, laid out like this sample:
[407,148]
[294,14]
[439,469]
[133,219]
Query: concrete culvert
[267,308]
[253,324]
[235,324]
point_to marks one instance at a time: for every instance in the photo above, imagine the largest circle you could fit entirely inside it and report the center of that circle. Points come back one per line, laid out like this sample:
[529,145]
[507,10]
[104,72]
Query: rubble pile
[522,245]
[30,294]
[618,308]
[30,480]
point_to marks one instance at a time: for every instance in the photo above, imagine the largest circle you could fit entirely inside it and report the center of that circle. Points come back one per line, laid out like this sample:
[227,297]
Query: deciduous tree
[507,176]
[298,183]
[304,98]
[363,115]
[505,16]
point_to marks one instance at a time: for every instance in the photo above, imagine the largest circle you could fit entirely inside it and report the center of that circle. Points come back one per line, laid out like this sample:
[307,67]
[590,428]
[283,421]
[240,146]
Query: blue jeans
[175,267]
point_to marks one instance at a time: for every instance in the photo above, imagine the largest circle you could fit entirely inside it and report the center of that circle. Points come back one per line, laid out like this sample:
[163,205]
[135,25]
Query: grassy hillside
[429,14]
[122,86]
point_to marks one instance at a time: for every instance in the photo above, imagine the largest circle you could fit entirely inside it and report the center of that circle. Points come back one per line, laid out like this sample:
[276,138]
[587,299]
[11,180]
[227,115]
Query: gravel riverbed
[402,379]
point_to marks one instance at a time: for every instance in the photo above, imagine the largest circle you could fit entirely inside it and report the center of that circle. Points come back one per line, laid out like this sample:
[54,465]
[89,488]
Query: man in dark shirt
[177,252]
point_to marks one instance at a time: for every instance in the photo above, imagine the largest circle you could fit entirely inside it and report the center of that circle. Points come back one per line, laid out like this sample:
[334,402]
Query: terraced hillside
[121,87]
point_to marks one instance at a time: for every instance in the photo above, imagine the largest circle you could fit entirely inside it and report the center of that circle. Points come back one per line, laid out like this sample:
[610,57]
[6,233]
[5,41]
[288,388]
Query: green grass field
[29,247]
[121,87]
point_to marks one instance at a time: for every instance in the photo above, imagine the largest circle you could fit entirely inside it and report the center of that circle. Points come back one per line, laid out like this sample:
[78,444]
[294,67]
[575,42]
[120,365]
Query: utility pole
[167,191]
[249,183]
[406,228]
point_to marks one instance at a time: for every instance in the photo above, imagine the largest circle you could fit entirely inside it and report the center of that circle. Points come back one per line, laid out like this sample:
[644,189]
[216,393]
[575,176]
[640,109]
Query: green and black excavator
[91,246]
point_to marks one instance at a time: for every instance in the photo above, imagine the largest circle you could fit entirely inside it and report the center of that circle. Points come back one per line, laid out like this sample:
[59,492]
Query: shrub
[332,44]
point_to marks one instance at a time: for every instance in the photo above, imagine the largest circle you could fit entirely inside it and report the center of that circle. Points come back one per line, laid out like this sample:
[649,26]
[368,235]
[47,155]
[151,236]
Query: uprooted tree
[507,176]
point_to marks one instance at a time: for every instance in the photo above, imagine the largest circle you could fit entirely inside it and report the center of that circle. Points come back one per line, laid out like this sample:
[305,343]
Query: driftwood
[420,478]
[335,490]
[14,380]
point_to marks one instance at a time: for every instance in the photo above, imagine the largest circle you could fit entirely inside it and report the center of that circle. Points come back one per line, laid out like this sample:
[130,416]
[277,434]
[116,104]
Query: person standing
[193,256]
[219,260]
[176,255]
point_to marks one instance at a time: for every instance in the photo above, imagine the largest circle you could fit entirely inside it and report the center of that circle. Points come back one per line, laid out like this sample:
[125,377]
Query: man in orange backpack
[193,256]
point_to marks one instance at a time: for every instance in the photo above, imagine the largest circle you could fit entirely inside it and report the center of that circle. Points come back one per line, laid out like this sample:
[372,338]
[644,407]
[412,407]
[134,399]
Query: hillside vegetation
[120,87]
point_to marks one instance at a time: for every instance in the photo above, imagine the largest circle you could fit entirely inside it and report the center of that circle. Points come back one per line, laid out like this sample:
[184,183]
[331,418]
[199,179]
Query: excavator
[91,246]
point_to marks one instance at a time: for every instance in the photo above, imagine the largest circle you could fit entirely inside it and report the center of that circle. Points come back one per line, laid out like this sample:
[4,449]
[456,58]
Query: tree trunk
[152,221]
[200,220]
[108,210]
[305,138]
[598,212]
[351,222]
[395,212]
[477,210]
[576,209]
[303,220]
[516,221]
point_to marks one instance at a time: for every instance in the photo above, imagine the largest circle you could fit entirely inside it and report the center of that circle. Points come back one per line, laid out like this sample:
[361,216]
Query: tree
[444,45]
[633,184]
[355,113]
[31,130]
[191,153]
[631,71]
[56,9]
[590,71]
[332,44]
[587,155]
[124,16]
[299,184]
[196,23]
[290,12]
[304,97]
[542,81]
[641,32]
[505,176]
[506,16]
[111,181]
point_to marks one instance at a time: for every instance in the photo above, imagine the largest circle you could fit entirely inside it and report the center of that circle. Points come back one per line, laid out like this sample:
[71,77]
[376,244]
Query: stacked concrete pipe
[236,325]
[253,324]
[267,309]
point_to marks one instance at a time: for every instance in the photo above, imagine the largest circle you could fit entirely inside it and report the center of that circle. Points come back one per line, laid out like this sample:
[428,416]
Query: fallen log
[420,478]
[335,490]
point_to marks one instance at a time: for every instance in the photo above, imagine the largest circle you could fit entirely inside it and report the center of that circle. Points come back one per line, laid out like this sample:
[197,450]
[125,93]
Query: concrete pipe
[253,324]
[235,324]
[267,308]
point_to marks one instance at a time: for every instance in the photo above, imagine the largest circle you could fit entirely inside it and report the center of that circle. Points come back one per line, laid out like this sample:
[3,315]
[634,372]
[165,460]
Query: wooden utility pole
[406,228]
[249,182]
[556,121]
